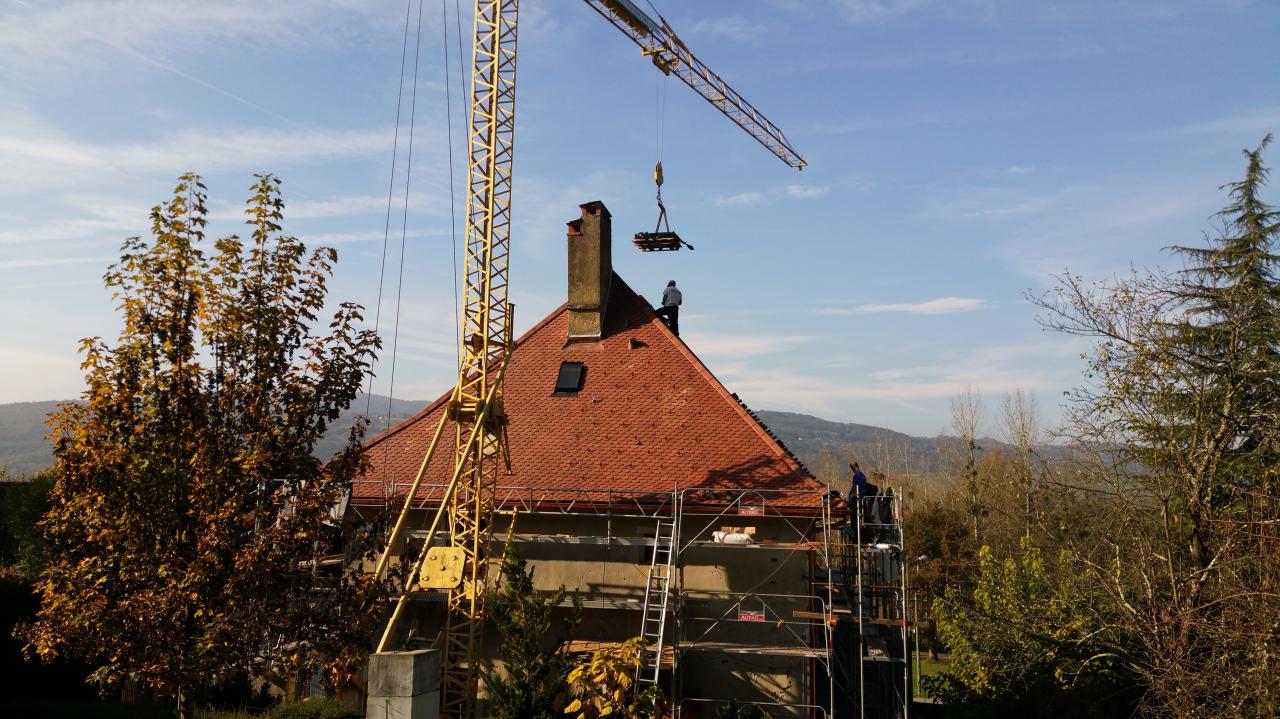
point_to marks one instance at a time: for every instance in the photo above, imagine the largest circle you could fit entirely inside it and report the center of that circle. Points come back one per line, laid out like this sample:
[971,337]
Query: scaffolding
[871,577]
[838,630]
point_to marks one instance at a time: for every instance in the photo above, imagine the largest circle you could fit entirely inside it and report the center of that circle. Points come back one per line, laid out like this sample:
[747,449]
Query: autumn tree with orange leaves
[188,514]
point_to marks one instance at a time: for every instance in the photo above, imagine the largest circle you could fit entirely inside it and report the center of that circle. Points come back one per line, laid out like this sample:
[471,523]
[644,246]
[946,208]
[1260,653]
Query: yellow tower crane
[486,330]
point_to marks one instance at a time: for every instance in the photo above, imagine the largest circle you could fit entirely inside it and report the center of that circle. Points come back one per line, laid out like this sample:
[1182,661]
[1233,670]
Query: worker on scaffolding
[861,484]
[868,497]
[670,309]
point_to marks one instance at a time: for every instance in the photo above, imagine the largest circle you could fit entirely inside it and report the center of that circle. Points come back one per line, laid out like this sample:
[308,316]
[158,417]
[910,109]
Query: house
[628,455]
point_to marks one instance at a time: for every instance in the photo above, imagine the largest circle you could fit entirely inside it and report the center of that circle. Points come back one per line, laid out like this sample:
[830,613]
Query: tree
[1020,420]
[603,686]
[188,512]
[1182,408]
[533,684]
[967,414]
[1024,644]
[937,537]
[22,502]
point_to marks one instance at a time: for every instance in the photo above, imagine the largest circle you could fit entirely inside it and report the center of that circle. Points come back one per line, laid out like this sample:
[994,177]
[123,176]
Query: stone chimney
[590,271]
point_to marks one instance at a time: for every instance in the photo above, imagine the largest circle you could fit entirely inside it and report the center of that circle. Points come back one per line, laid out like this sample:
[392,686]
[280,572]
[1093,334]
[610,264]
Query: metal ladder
[656,596]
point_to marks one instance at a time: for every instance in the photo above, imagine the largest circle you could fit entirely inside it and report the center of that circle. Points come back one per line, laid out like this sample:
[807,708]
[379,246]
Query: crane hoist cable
[662,237]
[404,217]
[448,112]
[391,188]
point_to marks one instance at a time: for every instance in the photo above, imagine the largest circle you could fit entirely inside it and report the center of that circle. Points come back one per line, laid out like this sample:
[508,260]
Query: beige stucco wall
[713,578]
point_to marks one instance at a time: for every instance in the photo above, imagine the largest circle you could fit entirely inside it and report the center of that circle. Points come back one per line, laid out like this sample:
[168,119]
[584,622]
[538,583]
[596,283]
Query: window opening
[570,379]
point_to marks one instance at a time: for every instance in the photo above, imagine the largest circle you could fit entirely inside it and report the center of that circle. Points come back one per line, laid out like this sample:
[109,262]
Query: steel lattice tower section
[486,338]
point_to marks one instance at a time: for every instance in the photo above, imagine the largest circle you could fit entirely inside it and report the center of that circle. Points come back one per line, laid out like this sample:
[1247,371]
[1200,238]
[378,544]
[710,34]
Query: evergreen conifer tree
[532,686]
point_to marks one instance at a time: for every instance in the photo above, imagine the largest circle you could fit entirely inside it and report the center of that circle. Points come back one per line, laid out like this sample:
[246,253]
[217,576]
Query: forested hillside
[24,449]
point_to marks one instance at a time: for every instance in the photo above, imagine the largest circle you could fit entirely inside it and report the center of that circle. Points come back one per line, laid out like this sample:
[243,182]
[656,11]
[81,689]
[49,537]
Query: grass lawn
[927,668]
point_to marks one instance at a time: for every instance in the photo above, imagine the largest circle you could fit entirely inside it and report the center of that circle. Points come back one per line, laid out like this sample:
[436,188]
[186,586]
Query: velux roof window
[570,378]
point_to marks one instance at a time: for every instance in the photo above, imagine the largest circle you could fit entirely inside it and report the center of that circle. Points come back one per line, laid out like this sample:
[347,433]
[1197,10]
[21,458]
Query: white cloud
[806,192]
[116,218]
[1250,126]
[733,27]
[861,11]
[988,12]
[38,285]
[59,230]
[939,306]
[545,203]
[755,198]
[51,30]
[339,206]
[47,156]
[845,392]
[707,344]
[1090,227]
[47,262]
[742,199]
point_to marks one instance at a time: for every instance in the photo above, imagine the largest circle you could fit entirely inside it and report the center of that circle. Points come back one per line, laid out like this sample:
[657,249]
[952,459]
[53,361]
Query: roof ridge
[731,398]
[564,444]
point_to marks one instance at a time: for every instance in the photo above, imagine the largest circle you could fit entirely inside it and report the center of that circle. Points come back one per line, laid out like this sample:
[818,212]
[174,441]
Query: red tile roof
[650,419]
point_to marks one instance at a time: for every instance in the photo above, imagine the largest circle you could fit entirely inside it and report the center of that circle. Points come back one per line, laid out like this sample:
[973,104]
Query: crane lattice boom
[657,40]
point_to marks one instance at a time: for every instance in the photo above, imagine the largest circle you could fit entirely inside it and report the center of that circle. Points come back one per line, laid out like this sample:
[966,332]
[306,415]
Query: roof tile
[650,418]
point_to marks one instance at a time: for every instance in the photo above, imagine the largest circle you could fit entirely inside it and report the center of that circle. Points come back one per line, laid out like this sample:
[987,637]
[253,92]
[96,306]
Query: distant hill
[23,426]
[336,437]
[874,447]
[24,450]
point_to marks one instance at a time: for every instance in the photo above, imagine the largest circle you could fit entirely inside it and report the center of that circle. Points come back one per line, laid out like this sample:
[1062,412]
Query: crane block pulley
[662,239]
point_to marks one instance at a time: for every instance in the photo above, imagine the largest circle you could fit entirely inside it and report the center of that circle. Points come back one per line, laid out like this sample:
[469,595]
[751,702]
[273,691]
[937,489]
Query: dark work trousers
[670,315]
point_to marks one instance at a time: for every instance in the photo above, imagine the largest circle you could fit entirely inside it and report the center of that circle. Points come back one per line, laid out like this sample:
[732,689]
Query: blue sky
[960,152]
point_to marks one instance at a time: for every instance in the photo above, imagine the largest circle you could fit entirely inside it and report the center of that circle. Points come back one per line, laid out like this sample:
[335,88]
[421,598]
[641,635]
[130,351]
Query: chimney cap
[595,207]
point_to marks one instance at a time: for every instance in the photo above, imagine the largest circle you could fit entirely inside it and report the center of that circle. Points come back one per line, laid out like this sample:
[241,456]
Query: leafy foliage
[602,687]
[22,550]
[1183,414]
[731,710]
[1025,645]
[187,509]
[537,666]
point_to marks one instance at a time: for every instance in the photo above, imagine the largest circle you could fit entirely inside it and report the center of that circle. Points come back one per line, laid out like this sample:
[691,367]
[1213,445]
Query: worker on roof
[670,309]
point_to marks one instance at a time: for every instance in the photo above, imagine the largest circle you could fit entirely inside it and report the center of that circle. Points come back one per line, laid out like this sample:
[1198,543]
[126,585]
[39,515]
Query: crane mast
[485,344]
[476,405]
